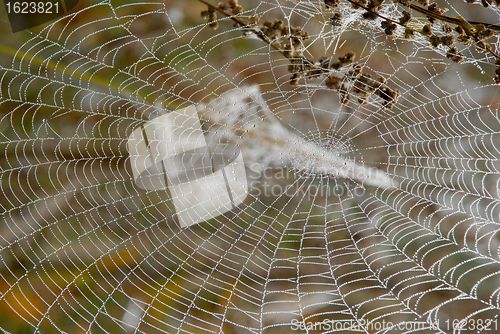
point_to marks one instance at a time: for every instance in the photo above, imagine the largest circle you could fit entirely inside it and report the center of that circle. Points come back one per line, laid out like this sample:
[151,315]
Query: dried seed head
[427,29]
[369,15]
[454,55]
[409,32]
[405,18]
[459,30]
[336,19]
[347,58]
[332,3]
[389,96]
[435,40]
[205,14]
[389,27]
[294,80]
[254,20]
[332,82]
[236,10]
[447,40]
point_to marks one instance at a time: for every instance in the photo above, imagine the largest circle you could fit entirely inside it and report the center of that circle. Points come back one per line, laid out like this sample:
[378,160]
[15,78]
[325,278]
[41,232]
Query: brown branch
[428,13]
[445,18]
[258,33]
[374,12]
[457,21]
[310,68]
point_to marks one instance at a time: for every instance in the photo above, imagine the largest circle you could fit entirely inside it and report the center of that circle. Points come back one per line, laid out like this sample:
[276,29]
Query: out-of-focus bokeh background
[83,249]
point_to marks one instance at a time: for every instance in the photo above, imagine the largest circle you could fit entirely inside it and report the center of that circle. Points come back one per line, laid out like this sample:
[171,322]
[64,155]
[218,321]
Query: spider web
[84,249]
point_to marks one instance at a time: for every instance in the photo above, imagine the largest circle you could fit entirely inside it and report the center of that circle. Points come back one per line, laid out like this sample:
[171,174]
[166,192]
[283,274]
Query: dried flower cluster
[497,72]
[342,75]
[358,84]
[485,3]
[464,32]
[211,13]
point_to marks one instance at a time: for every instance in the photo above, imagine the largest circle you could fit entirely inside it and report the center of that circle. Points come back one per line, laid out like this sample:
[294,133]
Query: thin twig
[456,21]
[258,33]
[445,18]
[375,13]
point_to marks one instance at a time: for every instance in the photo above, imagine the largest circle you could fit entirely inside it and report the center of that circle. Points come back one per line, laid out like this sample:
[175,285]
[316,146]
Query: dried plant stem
[302,67]
[374,12]
[445,18]
[457,21]
[258,33]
